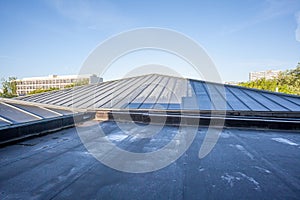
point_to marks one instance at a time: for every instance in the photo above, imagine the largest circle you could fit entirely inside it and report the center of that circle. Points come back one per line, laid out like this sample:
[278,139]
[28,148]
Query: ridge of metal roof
[149,95]
[110,94]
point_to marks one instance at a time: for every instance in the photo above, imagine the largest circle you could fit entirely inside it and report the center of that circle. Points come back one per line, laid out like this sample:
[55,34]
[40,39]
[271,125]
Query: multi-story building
[26,85]
[232,82]
[268,74]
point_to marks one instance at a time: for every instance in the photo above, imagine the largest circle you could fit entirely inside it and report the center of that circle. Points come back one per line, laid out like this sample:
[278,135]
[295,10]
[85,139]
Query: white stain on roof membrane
[252,180]
[285,141]
[201,169]
[243,150]
[263,169]
[116,137]
[230,179]
[225,135]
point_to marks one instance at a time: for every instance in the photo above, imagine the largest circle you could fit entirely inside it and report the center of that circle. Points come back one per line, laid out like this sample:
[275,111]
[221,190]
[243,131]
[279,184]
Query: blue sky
[39,38]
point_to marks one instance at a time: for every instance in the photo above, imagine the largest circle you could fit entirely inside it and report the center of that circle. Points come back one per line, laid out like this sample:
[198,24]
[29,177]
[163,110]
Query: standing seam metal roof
[18,112]
[167,93]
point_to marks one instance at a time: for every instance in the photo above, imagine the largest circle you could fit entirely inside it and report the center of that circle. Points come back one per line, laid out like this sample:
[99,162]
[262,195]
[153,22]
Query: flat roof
[245,164]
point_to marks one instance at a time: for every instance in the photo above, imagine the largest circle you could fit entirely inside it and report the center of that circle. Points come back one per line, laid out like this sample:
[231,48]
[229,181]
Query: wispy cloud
[267,64]
[92,27]
[270,9]
[275,8]
[95,15]
[4,57]
[297,32]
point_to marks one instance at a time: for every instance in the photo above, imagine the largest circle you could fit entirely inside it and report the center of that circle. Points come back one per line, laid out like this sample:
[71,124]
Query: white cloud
[267,64]
[92,14]
[270,9]
[275,8]
[7,58]
[297,32]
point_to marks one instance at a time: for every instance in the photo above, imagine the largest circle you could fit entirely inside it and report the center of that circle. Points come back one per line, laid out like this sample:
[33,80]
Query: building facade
[232,82]
[268,74]
[26,85]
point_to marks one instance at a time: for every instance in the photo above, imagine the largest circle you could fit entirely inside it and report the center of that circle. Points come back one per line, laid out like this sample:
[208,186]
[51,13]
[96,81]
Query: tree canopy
[9,88]
[78,83]
[40,90]
[287,82]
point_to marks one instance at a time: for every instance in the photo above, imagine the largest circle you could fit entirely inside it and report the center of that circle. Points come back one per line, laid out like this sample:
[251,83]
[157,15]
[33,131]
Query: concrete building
[268,74]
[26,85]
[233,82]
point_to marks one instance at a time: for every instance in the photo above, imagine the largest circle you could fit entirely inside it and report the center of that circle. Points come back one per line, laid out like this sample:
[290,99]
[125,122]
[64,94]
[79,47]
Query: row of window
[48,81]
[37,87]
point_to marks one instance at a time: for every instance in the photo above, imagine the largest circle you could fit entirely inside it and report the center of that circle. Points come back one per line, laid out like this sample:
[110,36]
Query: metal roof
[244,163]
[18,112]
[20,119]
[167,93]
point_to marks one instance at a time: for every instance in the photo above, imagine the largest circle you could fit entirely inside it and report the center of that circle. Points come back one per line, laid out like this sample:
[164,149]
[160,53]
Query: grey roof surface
[245,164]
[167,93]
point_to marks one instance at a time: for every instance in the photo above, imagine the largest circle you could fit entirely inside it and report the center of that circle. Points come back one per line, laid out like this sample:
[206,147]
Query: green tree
[287,82]
[37,91]
[9,87]
[78,83]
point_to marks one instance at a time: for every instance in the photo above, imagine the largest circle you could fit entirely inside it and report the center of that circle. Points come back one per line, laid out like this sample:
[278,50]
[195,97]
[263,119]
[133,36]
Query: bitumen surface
[244,164]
